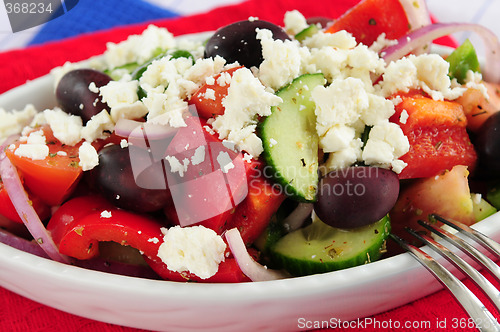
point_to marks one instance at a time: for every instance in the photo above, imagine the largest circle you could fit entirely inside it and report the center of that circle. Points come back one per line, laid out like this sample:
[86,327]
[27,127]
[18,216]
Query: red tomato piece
[437,134]
[53,178]
[8,210]
[446,194]
[206,106]
[434,150]
[370,18]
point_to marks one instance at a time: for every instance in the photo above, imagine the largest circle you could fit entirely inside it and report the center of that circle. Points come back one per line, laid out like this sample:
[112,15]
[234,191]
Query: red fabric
[16,67]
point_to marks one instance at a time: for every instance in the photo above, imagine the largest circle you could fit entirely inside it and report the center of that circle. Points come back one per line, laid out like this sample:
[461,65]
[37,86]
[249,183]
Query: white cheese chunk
[225,161]
[294,22]
[97,126]
[88,156]
[139,48]
[339,40]
[35,146]
[282,60]
[32,151]
[119,92]
[176,166]
[428,72]
[198,156]
[13,122]
[379,110]
[342,102]
[337,138]
[385,144]
[196,249]
[121,97]
[246,99]
[344,157]
[66,127]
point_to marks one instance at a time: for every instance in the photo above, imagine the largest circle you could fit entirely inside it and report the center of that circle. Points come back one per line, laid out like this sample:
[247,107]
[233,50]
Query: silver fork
[483,318]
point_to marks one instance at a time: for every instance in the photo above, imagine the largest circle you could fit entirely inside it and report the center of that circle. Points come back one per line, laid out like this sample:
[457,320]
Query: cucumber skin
[307,32]
[298,267]
[263,133]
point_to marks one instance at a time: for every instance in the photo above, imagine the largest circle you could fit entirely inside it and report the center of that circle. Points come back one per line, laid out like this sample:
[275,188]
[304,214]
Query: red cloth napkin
[16,67]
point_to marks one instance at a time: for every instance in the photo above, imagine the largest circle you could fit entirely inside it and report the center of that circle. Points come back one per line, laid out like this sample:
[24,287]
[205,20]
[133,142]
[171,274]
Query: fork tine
[468,300]
[477,236]
[465,247]
[462,265]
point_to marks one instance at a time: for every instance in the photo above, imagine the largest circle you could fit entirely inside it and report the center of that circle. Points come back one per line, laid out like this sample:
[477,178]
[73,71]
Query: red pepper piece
[78,234]
[229,272]
[253,214]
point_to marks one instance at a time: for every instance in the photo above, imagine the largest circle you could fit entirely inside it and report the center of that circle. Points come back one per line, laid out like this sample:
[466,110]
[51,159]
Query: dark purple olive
[114,178]
[238,42]
[321,20]
[356,196]
[74,95]
[488,146]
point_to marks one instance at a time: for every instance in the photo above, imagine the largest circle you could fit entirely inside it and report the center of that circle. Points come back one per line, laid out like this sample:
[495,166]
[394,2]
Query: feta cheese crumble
[106,214]
[246,99]
[196,249]
[13,122]
[176,166]
[199,155]
[88,156]
[35,147]
[66,127]
[225,161]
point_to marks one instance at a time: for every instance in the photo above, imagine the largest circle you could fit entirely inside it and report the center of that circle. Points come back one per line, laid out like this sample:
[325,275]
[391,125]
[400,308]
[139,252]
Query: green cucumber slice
[290,139]
[493,195]
[307,32]
[482,209]
[320,248]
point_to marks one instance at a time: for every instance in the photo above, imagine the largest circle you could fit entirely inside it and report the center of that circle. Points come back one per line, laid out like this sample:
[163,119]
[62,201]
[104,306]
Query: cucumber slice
[482,209]
[493,195]
[290,139]
[320,248]
[307,32]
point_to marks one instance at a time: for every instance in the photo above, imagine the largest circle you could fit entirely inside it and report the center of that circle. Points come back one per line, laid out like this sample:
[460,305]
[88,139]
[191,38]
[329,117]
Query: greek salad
[257,152]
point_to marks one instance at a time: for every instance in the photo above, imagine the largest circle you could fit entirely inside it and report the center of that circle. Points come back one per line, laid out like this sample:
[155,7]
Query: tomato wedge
[53,178]
[370,18]
[208,99]
[8,210]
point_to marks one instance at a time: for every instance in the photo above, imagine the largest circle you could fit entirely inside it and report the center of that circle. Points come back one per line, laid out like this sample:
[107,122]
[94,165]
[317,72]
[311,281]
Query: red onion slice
[422,36]
[124,269]
[418,16]
[20,200]
[296,219]
[416,12]
[252,269]
[22,244]
[97,264]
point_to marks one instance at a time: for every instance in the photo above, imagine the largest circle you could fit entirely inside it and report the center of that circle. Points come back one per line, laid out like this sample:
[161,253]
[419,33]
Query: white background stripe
[4,19]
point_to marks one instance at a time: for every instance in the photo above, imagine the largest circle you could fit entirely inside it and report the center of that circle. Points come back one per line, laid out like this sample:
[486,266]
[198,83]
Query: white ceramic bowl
[290,304]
